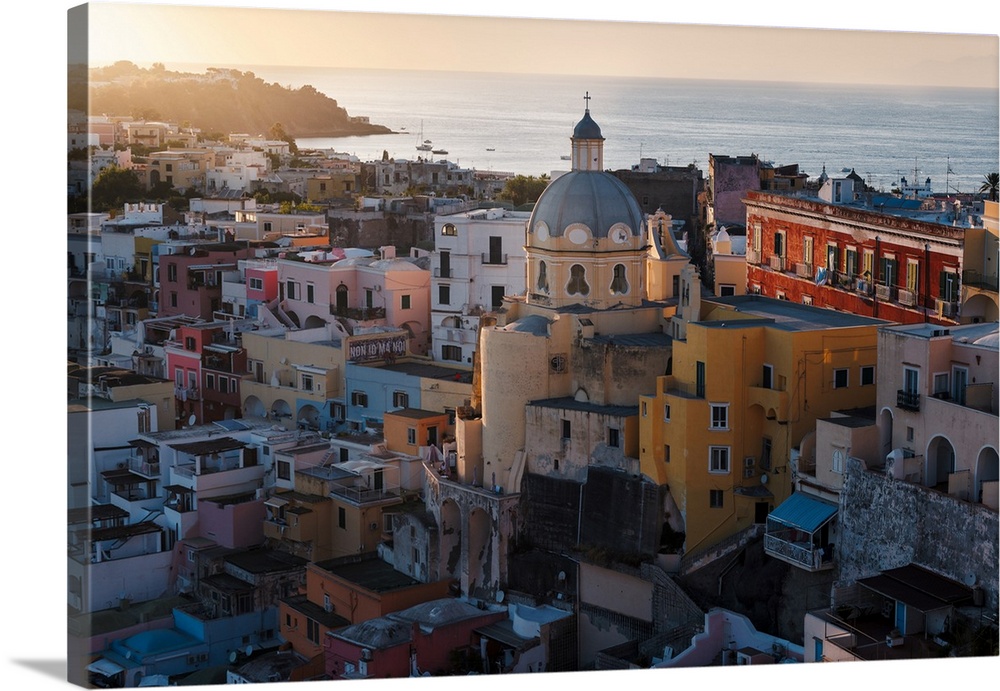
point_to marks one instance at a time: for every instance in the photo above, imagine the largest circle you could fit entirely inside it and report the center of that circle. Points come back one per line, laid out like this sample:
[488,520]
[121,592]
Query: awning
[803,512]
[105,667]
[275,501]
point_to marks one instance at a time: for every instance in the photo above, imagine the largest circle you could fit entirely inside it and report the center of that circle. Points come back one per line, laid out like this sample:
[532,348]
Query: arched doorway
[308,416]
[342,299]
[254,407]
[479,552]
[939,462]
[885,433]
[314,322]
[282,411]
[451,540]
[987,470]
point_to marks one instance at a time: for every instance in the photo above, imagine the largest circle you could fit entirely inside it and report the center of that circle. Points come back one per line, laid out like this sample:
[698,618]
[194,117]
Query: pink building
[207,369]
[191,282]
[317,287]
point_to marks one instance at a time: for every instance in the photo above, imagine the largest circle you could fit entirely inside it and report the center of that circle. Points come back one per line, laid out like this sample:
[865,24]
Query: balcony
[885,293]
[907,298]
[907,400]
[753,257]
[443,272]
[494,258]
[359,313]
[363,495]
[776,263]
[803,555]
[773,402]
[187,393]
[976,279]
[803,270]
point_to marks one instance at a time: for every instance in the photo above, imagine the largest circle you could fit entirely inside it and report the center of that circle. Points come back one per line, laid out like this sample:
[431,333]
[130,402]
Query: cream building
[559,369]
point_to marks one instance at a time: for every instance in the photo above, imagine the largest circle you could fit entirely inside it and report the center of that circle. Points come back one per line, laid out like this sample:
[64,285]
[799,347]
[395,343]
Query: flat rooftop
[783,314]
[372,574]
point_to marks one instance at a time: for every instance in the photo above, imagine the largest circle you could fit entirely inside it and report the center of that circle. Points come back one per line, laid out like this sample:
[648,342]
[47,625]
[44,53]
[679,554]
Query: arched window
[619,284]
[578,281]
[543,278]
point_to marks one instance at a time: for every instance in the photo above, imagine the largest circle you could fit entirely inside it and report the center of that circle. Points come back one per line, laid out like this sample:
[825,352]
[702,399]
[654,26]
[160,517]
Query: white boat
[440,152]
[565,158]
[426,146]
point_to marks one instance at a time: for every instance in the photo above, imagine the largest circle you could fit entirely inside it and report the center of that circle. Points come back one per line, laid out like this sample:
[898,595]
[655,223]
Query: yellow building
[750,376]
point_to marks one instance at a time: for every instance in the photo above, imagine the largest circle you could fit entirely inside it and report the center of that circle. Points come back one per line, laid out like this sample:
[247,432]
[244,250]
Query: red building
[191,282]
[207,367]
[436,637]
[854,259]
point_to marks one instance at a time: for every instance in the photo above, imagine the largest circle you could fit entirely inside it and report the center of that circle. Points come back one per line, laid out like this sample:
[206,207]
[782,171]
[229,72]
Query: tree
[989,187]
[114,187]
[277,131]
[522,189]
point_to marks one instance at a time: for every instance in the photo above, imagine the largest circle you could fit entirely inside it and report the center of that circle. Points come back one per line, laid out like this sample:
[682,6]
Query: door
[900,617]
[432,436]
[760,511]
[341,299]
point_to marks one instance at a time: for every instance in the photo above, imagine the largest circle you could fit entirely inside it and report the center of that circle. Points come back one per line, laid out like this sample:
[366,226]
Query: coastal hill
[220,100]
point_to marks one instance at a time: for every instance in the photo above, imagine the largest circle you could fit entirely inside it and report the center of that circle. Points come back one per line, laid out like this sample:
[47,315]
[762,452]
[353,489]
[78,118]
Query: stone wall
[886,523]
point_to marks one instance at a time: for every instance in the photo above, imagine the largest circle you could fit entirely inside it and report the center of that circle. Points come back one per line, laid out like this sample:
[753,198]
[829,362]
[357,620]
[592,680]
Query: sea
[523,123]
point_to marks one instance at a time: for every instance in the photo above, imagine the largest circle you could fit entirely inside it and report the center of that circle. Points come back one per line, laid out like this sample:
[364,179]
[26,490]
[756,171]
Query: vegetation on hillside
[221,100]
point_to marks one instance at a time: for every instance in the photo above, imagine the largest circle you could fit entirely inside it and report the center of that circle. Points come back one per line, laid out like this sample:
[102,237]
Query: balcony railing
[360,495]
[753,257]
[493,258]
[804,270]
[885,292]
[442,272]
[906,297]
[976,279]
[186,393]
[907,400]
[805,556]
[359,313]
[776,263]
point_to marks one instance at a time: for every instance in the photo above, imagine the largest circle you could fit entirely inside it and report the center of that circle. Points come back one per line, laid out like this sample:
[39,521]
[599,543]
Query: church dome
[596,199]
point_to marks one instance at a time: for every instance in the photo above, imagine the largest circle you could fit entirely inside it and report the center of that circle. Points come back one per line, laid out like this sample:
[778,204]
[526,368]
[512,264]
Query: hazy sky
[175,34]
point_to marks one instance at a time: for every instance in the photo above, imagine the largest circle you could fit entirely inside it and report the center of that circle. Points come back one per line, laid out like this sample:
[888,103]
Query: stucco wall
[888,523]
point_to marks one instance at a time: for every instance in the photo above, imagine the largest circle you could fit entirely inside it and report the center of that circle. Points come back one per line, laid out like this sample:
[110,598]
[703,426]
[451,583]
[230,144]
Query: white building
[479,258]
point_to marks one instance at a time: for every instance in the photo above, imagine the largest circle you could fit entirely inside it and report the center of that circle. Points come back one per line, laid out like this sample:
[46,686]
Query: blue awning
[804,512]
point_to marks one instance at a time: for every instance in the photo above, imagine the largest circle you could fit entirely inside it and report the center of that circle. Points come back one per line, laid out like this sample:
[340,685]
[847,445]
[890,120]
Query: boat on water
[490,149]
[440,152]
[426,146]
[565,158]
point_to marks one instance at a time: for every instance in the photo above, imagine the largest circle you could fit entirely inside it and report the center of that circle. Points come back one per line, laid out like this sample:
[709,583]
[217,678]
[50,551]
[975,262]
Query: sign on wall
[376,349]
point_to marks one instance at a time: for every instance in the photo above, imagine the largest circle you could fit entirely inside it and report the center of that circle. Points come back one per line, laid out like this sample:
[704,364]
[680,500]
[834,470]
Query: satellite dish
[763,479]
[561,576]
[232,656]
[192,419]
[249,650]
[970,579]
[500,596]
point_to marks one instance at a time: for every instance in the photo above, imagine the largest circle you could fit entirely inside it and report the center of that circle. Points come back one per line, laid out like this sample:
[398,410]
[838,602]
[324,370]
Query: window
[411,435]
[359,398]
[832,257]
[310,292]
[959,380]
[341,517]
[941,383]
[369,298]
[838,460]
[718,459]
[912,275]
[851,261]
[543,278]
[256,284]
[666,453]
[765,453]
[715,498]
[666,412]
[614,439]
[451,352]
[726,290]
[173,299]
[444,295]
[291,290]
[224,385]
[209,381]
[867,375]
[496,296]
[565,430]
[307,382]
[172,273]
[189,343]
[949,286]
[767,377]
[312,630]
[267,226]
[619,284]
[867,263]
[909,433]
[911,380]
[888,271]
[840,378]
[699,380]
[578,281]
[807,250]
[449,229]
[284,470]
[400,399]
[404,302]
[720,416]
